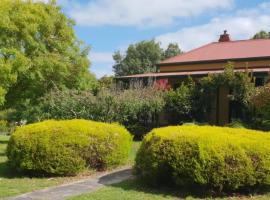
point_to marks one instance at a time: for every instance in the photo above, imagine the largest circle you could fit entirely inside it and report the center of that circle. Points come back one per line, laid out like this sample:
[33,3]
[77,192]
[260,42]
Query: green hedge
[67,147]
[210,157]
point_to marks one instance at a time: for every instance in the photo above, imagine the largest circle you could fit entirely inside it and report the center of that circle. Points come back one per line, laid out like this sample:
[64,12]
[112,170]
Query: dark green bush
[179,104]
[204,156]
[67,147]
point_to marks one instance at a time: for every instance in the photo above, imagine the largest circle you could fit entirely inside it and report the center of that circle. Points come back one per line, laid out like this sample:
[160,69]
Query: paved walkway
[72,189]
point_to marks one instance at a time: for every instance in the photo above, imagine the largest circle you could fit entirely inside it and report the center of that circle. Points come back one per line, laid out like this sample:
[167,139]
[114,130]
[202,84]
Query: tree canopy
[172,50]
[142,57]
[38,51]
[262,35]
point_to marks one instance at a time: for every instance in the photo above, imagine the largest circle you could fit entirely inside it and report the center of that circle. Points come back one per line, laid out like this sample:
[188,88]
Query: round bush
[210,157]
[67,147]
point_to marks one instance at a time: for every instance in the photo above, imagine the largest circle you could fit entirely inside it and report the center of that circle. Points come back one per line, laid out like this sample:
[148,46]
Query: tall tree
[38,50]
[172,50]
[262,35]
[139,58]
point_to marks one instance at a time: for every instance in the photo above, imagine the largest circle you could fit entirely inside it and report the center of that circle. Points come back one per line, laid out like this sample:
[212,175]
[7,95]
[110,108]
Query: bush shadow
[133,184]
[3,142]
[115,177]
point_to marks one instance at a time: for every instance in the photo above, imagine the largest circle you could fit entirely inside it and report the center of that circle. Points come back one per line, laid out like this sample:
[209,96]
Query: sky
[111,25]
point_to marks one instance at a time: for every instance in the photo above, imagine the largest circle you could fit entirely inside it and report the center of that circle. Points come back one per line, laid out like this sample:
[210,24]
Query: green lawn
[127,190]
[134,149]
[133,190]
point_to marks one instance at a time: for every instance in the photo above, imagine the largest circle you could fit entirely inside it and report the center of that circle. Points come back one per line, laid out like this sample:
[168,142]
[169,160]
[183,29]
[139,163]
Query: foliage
[179,103]
[240,85]
[260,99]
[139,108]
[106,82]
[262,35]
[136,108]
[67,147]
[142,57]
[237,124]
[172,50]
[38,51]
[209,157]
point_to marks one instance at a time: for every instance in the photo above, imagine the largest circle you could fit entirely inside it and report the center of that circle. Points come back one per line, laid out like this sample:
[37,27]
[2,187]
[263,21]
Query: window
[259,81]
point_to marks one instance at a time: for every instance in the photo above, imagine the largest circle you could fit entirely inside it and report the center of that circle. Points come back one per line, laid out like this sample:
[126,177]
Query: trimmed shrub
[67,147]
[211,157]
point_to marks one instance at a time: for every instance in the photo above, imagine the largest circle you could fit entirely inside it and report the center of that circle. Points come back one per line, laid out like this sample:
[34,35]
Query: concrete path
[72,189]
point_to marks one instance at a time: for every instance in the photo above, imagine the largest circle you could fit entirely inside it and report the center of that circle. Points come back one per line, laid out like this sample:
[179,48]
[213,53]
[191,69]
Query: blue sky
[110,25]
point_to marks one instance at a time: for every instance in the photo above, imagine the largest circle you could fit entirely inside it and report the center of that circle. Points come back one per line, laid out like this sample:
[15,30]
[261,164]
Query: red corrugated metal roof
[187,73]
[241,49]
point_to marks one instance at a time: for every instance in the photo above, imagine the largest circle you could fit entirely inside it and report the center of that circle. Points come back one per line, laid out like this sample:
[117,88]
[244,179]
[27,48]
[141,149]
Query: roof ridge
[247,40]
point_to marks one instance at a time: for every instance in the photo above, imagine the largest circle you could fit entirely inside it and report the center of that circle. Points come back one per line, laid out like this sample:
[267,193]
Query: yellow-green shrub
[212,157]
[67,147]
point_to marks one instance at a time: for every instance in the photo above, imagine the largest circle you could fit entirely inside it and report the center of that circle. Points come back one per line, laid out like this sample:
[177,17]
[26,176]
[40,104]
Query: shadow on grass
[136,185]
[3,142]
[7,172]
[2,154]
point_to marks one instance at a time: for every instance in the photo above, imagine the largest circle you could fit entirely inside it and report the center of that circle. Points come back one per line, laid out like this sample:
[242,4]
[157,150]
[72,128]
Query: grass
[127,190]
[134,190]
[134,149]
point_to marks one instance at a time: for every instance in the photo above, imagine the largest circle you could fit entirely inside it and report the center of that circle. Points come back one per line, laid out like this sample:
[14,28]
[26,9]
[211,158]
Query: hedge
[223,159]
[67,147]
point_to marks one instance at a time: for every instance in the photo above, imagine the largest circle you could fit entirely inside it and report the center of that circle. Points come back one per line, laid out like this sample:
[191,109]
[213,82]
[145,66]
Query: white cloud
[104,57]
[242,25]
[141,12]
[102,63]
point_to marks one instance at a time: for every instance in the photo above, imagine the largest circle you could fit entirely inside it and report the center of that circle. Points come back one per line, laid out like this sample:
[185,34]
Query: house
[212,58]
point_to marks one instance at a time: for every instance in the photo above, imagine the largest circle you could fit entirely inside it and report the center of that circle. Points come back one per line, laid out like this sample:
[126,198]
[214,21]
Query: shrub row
[135,108]
[210,157]
[67,147]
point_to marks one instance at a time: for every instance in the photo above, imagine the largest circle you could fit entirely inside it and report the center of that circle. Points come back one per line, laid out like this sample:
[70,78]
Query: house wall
[212,66]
